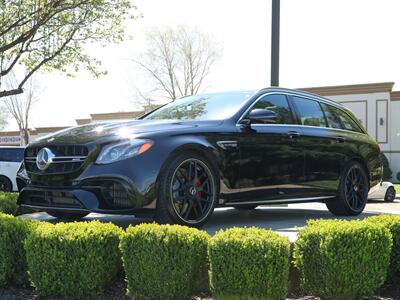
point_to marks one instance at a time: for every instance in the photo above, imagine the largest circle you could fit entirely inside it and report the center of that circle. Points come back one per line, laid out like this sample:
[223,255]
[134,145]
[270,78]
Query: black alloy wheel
[5,184]
[353,190]
[390,194]
[188,192]
[192,191]
[356,188]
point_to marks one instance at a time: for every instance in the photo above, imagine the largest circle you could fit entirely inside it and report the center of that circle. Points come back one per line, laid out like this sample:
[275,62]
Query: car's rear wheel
[390,194]
[5,184]
[67,216]
[352,193]
[188,191]
[245,207]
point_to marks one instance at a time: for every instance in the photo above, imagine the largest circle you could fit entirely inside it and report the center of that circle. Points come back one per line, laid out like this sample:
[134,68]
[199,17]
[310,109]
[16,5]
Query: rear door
[324,144]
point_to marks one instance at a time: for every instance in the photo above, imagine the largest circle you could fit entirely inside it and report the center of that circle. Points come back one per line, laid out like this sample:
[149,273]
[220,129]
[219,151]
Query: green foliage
[391,222]
[249,263]
[73,259]
[163,261]
[342,259]
[8,205]
[54,35]
[13,232]
[8,202]
[387,172]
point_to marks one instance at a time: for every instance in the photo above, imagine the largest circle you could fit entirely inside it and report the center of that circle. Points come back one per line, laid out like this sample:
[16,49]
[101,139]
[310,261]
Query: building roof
[116,115]
[395,96]
[82,121]
[367,88]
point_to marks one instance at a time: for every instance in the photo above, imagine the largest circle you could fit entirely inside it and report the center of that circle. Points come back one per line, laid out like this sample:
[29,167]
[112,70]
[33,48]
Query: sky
[323,42]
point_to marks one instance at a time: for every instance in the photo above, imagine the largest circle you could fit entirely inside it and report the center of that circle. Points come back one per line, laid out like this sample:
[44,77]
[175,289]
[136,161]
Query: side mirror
[260,116]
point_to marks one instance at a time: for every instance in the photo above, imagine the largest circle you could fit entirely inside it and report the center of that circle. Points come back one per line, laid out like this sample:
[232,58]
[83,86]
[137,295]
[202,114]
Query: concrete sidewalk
[283,220]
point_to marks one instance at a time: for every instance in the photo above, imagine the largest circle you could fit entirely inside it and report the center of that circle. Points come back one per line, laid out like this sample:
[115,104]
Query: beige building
[375,104]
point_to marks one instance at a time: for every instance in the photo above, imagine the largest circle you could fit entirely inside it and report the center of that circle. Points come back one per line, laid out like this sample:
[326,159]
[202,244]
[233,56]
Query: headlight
[123,150]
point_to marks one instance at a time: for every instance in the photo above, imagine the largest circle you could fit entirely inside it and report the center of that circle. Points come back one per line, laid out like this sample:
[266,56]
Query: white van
[10,161]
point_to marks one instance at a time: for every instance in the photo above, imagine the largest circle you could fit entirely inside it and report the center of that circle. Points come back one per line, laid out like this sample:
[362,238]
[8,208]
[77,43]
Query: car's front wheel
[352,194]
[188,191]
[390,194]
[5,184]
[67,216]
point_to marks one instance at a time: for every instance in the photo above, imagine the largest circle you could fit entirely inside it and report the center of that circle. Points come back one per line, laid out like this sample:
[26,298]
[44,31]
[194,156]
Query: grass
[397,187]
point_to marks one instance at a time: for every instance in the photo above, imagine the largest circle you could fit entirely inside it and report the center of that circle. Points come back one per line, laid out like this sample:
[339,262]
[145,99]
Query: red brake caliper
[197,184]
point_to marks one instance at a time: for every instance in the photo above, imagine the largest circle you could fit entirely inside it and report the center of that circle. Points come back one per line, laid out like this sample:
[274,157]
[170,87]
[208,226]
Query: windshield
[217,106]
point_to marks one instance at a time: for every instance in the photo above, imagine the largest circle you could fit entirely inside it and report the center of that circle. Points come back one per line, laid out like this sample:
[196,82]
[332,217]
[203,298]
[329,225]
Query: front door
[272,162]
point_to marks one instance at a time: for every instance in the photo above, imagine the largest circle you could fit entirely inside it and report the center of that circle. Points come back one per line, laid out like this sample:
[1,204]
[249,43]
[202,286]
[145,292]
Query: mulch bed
[117,291]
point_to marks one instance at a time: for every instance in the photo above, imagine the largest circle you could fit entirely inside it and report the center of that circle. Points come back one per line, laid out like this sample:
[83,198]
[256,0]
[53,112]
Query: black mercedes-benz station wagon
[180,161]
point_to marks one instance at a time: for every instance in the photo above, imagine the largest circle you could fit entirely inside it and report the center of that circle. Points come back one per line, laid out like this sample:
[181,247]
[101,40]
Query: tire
[352,195]
[390,195]
[245,207]
[5,184]
[67,216]
[188,190]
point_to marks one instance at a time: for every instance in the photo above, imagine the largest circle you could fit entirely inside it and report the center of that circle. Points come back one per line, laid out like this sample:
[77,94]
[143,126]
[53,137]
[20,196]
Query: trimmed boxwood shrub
[13,232]
[249,263]
[163,261]
[342,259]
[391,222]
[73,259]
[8,203]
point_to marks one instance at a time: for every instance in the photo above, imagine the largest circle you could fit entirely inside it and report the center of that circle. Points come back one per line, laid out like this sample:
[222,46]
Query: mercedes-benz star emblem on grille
[44,158]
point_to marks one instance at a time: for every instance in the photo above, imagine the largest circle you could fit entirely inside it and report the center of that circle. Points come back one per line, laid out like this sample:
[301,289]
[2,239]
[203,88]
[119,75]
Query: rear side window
[331,116]
[347,122]
[11,154]
[277,104]
[337,118]
[310,112]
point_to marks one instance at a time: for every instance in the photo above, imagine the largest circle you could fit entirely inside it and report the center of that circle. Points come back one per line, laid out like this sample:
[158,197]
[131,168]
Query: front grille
[113,194]
[50,199]
[67,159]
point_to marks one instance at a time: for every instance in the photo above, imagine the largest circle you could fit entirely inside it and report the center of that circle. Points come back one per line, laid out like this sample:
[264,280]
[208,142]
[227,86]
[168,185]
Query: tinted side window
[331,116]
[11,155]
[277,104]
[347,122]
[310,112]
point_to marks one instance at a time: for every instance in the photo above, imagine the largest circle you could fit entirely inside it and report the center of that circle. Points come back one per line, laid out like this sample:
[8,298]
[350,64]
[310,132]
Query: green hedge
[391,222]
[13,232]
[73,259]
[249,263]
[163,261]
[8,202]
[342,259]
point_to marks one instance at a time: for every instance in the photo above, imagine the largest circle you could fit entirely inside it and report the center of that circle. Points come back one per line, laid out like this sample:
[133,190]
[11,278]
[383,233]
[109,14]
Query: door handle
[340,139]
[293,134]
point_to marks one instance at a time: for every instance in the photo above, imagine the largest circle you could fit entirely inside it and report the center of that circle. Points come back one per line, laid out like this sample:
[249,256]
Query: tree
[53,35]
[19,107]
[3,117]
[178,60]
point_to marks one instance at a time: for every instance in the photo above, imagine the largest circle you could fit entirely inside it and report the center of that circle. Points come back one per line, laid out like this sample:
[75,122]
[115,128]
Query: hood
[119,130]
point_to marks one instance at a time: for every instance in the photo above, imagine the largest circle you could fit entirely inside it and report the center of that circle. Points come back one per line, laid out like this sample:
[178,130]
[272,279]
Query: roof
[395,96]
[367,88]
[116,115]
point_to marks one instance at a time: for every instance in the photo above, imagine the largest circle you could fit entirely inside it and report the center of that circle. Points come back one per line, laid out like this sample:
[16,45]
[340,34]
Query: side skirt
[280,201]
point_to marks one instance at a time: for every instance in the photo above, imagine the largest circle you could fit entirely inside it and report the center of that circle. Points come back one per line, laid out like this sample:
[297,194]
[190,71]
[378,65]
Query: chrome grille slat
[68,159]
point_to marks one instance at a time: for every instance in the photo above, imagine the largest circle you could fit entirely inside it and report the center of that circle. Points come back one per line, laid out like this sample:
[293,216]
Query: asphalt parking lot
[283,220]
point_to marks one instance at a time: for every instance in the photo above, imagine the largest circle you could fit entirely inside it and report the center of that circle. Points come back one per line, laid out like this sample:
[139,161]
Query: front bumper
[100,195]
